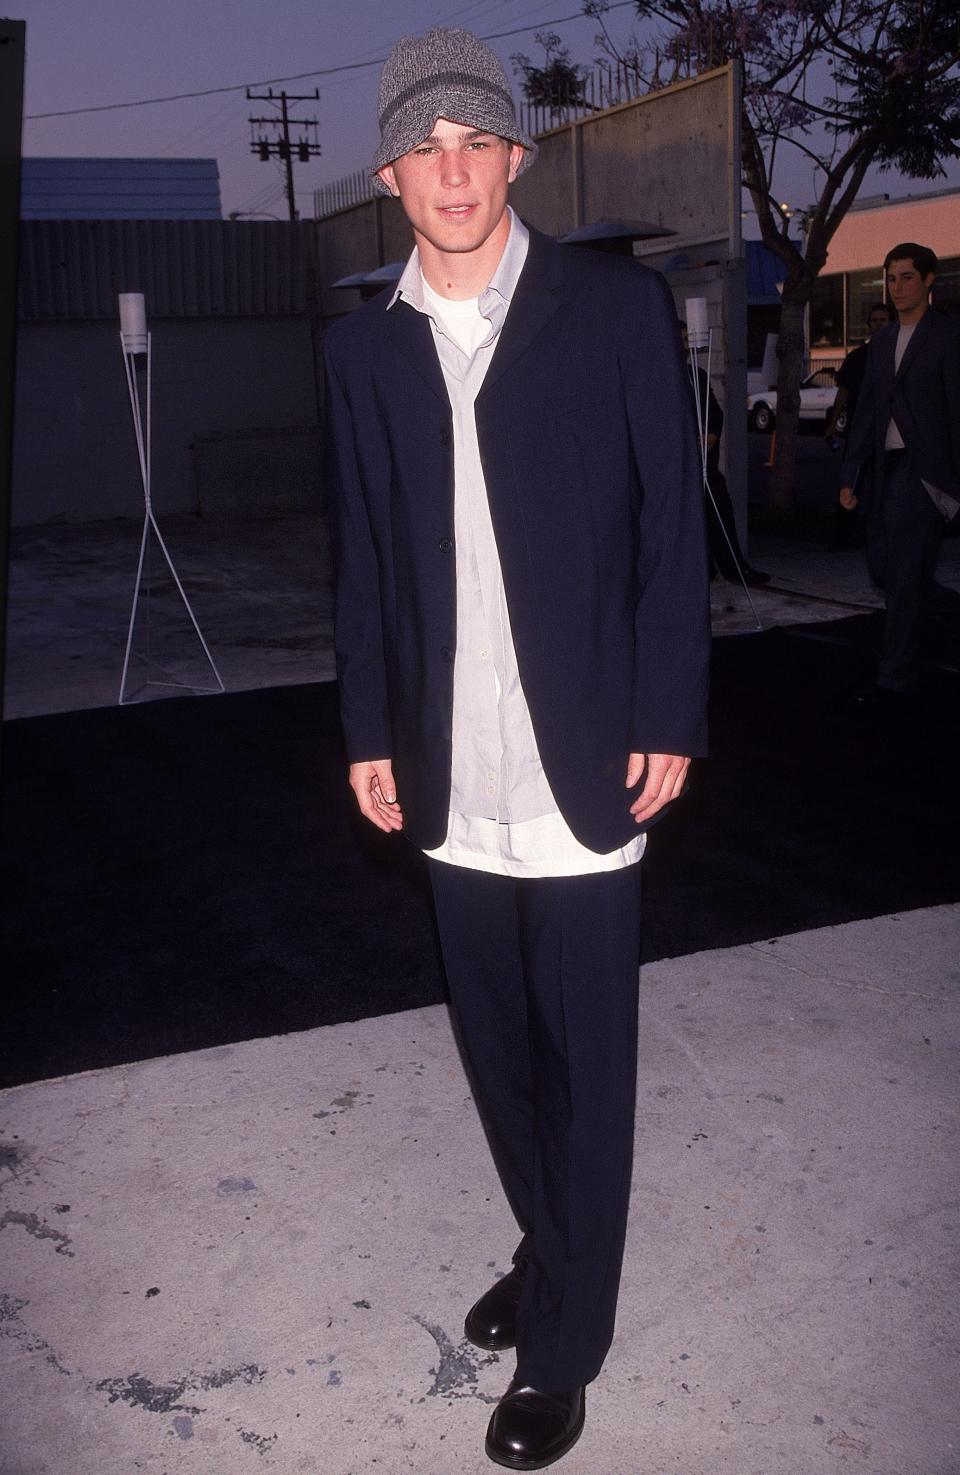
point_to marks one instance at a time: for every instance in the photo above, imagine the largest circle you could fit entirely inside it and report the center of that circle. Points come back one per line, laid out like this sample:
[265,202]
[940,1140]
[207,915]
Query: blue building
[120,189]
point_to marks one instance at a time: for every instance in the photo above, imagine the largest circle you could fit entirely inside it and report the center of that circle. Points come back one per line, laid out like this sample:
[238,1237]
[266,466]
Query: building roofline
[883,202]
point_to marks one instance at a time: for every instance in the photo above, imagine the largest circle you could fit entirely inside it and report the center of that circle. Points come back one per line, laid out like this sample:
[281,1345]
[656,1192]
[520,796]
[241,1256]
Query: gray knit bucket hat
[447,73]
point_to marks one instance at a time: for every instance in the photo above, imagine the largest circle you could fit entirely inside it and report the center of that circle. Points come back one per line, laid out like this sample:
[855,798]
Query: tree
[558,83]
[848,83]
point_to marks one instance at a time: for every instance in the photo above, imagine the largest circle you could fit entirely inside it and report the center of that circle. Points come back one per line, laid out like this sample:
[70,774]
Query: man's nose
[453,168]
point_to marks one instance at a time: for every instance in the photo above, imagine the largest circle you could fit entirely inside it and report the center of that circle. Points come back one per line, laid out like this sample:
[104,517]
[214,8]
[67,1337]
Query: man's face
[879,318]
[906,288]
[453,186]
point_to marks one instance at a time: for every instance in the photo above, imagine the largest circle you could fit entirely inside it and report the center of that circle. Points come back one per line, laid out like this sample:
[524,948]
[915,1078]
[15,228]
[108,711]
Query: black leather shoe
[530,1429]
[492,1322]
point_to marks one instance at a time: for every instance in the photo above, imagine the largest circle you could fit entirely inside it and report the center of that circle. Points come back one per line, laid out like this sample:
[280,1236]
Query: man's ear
[389,178]
[516,157]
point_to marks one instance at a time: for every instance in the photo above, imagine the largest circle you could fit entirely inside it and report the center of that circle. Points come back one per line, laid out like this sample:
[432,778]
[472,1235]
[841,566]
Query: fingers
[376,793]
[665,776]
[848,498]
[636,763]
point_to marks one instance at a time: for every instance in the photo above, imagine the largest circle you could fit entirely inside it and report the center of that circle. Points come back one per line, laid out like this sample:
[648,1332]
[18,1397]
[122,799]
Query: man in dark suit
[522,640]
[907,430]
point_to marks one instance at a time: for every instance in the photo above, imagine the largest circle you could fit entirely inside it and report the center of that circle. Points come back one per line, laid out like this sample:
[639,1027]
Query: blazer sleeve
[951,392]
[358,622]
[672,616]
[862,432]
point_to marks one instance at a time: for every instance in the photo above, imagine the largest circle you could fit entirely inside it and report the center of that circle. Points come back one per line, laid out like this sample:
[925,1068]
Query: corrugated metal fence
[185,268]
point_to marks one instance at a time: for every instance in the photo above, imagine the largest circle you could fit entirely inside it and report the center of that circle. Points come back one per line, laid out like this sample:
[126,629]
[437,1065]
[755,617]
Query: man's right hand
[848,498]
[376,793]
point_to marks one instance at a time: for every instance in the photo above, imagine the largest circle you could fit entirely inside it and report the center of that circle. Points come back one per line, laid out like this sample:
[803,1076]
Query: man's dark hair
[924,261]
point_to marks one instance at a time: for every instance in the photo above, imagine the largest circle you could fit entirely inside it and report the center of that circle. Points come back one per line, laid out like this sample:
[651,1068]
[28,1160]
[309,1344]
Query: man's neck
[459,275]
[910,319]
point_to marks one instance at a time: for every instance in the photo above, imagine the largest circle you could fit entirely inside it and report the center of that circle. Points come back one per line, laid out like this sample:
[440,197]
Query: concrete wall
[74,451]
[664,158]
[358,238]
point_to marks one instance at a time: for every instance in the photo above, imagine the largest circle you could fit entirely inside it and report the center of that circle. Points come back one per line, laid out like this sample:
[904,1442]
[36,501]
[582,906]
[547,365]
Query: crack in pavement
[12,1326]
[821,975]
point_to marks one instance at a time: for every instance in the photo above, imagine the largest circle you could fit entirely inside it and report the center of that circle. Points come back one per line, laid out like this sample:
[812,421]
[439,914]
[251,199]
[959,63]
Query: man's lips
[458,212]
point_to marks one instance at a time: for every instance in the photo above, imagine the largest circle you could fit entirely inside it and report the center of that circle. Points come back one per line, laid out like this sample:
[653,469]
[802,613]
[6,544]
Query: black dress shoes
[492,1322]
[530,1429]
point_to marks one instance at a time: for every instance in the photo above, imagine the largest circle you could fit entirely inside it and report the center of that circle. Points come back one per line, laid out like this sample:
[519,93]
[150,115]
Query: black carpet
[190,872]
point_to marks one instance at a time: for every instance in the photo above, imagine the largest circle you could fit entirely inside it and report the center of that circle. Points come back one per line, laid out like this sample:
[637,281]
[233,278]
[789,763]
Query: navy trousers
[543,980]
[904,531]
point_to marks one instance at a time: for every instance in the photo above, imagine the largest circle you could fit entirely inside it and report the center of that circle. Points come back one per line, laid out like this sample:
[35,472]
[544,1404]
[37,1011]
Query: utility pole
[267,146]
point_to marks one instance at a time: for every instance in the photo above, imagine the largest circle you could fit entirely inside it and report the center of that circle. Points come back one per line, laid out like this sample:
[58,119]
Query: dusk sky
[86,53]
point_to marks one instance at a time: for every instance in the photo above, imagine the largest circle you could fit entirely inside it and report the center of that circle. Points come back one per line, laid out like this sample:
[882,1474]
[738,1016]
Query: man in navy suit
[522,639]
[906,429]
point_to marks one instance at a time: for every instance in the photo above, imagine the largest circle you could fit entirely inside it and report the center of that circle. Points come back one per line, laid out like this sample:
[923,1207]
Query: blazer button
[445,545]
[446,652]
[445,436]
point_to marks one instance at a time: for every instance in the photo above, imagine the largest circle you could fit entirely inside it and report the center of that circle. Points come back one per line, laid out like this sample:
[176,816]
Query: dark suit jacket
[592,473]
[923,397]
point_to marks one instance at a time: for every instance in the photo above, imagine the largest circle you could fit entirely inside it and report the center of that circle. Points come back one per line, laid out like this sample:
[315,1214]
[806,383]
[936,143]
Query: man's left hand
[664,775]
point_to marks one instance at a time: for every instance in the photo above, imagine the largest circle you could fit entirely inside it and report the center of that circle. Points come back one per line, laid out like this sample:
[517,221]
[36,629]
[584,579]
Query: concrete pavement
[257,1258]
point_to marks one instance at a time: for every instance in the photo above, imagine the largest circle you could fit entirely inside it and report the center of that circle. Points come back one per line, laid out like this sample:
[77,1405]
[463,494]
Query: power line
[357,66]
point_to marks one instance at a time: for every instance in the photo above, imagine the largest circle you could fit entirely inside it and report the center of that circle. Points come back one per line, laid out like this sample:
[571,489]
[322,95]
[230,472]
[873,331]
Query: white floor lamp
[136,346]
[700,336]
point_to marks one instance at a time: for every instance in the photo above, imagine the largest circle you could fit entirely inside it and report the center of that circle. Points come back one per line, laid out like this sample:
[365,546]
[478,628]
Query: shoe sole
[511,1462]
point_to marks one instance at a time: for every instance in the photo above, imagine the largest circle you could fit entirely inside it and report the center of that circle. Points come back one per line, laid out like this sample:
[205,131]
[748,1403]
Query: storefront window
[946,289]
[864,290]
[826,312]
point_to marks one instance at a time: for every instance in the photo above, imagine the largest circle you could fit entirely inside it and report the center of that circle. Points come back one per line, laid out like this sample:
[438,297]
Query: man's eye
[478,143]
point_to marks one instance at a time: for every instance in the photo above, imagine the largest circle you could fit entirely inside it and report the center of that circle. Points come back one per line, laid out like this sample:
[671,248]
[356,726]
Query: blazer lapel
[886,348]
[410,332]
[539,293]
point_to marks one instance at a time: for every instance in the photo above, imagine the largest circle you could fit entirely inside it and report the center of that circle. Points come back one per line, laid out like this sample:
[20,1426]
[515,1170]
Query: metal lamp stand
[697,340]
[136,345]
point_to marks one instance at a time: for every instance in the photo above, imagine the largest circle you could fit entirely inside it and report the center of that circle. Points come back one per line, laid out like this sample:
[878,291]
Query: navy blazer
[591,463]
[923,396]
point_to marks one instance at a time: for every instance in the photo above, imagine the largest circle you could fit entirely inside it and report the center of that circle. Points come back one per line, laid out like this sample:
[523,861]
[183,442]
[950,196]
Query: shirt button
[445,545]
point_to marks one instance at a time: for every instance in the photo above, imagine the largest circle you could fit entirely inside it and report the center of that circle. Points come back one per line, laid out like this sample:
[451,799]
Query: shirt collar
[500,287]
